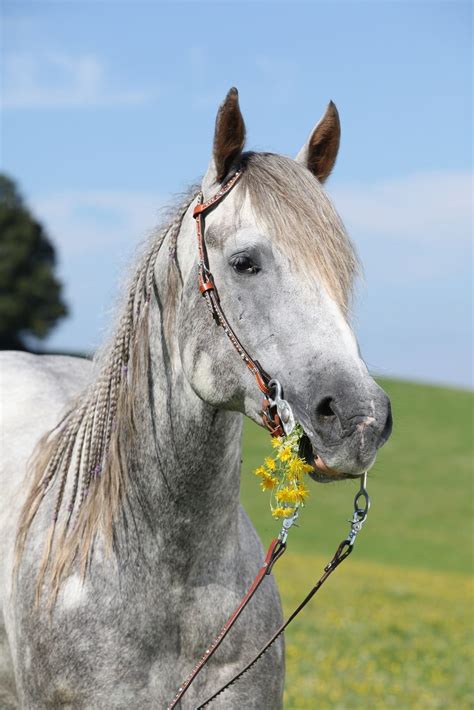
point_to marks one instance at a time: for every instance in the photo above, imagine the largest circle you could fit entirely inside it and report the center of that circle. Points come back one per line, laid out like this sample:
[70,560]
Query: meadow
[393,627]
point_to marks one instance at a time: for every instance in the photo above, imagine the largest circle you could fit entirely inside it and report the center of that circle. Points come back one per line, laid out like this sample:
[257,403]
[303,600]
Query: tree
[30,294]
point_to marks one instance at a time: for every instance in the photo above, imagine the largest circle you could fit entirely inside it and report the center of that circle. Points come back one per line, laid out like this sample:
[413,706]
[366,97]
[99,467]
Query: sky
[108,112]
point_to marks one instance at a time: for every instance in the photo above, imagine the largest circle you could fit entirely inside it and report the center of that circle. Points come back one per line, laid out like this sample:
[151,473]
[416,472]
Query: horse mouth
[321,472]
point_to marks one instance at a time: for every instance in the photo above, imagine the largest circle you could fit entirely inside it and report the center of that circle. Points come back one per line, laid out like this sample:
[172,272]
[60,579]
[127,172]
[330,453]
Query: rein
[278,419]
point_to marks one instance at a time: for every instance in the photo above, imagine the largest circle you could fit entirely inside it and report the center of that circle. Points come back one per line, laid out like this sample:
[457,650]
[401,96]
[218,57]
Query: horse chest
[131,646]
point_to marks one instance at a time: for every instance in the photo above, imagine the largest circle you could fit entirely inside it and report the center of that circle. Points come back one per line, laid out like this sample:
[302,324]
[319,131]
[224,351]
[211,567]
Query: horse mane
[84,458]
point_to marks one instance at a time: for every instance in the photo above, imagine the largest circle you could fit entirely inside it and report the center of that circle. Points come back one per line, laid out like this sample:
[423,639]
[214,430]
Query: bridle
[276,413]
[278,419]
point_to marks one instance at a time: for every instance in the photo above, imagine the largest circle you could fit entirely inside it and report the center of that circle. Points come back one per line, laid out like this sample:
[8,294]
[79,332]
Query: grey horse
[123,543]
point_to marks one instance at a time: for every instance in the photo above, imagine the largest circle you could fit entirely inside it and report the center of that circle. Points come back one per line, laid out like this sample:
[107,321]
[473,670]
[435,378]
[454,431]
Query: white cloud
[56,80]
[413,235]
[427,207]
[97,219]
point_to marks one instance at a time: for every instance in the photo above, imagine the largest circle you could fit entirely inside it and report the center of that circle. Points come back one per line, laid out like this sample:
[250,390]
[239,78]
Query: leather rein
[278,419]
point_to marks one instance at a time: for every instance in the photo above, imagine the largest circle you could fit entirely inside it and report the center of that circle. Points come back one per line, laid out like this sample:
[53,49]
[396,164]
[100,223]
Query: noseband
[276,413]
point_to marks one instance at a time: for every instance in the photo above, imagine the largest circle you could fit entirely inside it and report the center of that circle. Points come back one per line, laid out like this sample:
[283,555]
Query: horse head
[284,267]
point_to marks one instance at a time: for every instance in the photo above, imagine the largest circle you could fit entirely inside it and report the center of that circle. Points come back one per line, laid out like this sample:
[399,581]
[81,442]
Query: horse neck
[186,462]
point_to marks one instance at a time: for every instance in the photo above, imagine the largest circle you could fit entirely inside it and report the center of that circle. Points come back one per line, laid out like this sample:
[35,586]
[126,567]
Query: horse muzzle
[343,436]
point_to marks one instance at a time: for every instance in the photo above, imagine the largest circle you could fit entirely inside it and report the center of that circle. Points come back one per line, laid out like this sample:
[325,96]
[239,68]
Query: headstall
[276,413]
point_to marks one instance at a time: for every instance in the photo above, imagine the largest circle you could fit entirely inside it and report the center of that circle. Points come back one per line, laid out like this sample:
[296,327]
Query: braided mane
[84,457]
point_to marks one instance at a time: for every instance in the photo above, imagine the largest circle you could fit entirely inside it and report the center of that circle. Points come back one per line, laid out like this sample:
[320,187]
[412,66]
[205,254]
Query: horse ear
[320,151]
[229,139]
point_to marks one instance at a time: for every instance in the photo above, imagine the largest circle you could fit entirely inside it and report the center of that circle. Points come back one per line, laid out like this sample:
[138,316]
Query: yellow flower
[301,493]
[282,474]
[270,463]
[282,512]
[288,494]
[268,482]
[297,467]
[285,453]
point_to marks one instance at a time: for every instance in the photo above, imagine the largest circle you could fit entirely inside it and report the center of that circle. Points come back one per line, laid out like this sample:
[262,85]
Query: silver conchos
[284,410]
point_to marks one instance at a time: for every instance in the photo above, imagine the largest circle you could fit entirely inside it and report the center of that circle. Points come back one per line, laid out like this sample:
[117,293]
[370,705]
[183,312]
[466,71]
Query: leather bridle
[274,409]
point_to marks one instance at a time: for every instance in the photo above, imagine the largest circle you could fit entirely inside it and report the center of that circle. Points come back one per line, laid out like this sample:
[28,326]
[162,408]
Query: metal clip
[284,410]
[286,525]
[359,515]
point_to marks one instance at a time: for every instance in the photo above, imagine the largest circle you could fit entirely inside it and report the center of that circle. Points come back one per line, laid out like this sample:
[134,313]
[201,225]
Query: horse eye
[244,265]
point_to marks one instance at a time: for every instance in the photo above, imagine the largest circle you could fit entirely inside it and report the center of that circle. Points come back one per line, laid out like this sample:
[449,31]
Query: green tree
[30,294]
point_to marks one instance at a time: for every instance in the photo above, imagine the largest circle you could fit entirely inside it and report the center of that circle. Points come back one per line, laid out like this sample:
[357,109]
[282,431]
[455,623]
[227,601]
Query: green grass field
[394,625]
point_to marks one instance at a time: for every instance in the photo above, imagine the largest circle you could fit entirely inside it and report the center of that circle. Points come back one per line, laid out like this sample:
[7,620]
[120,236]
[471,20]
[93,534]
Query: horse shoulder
[35,391]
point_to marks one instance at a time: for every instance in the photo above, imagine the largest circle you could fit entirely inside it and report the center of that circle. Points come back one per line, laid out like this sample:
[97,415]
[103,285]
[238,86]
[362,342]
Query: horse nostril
[387,430]
[324,409]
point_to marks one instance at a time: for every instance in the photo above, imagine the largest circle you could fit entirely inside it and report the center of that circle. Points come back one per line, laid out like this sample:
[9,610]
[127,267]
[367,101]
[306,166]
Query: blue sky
[109,107]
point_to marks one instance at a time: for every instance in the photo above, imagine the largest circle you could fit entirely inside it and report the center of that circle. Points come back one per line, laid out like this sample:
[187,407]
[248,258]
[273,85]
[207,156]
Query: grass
[378,636]
[393,626]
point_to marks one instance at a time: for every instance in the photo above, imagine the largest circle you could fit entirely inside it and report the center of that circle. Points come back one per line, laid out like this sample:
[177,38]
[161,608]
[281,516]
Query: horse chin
[329,475]
[322,473]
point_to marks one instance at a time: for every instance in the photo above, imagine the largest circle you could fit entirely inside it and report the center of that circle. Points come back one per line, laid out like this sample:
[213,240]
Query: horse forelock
[299,216]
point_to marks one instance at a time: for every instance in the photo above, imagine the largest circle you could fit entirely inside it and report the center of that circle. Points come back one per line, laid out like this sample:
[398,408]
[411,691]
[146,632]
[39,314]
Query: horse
[123,542]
